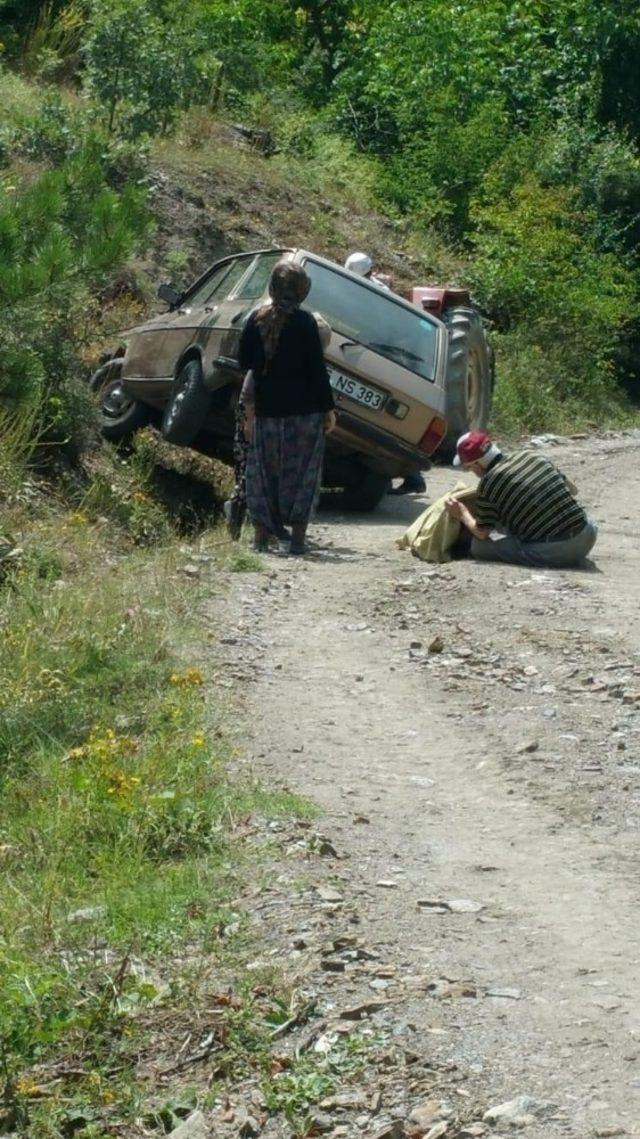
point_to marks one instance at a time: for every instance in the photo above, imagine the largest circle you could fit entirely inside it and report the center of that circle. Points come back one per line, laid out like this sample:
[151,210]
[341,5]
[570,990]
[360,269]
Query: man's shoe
[413,484]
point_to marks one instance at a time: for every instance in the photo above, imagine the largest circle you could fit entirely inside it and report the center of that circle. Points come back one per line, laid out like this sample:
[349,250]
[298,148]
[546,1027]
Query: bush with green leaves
[63,234]
[142,70]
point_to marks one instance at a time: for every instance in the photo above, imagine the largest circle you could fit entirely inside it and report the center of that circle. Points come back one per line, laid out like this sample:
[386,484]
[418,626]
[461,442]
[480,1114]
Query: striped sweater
[526,495]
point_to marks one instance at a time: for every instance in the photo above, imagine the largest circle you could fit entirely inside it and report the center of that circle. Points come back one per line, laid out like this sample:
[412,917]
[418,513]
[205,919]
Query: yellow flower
[26,1086]
[190,678]
[198,740]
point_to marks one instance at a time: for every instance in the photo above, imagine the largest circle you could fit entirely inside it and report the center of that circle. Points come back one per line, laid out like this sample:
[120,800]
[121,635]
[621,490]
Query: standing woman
[289,407]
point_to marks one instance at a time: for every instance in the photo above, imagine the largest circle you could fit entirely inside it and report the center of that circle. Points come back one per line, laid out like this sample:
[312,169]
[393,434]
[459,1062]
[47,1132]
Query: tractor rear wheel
[469,380]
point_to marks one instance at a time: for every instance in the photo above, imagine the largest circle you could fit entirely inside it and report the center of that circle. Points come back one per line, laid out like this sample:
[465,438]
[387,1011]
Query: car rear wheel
[469,378]
[119,414]
[188,405]
[365,490]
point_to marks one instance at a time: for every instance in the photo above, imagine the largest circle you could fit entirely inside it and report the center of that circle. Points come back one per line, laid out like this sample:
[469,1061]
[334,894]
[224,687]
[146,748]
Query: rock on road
[497,777]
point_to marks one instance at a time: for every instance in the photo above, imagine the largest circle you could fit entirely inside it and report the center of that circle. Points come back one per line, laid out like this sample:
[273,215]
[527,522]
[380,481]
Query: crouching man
[527,500]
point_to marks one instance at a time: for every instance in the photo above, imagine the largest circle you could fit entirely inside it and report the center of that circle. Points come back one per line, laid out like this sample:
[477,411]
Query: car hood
[151,325]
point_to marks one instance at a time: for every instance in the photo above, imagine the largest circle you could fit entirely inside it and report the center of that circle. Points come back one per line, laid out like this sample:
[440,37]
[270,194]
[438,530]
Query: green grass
[115,821]
[17,96]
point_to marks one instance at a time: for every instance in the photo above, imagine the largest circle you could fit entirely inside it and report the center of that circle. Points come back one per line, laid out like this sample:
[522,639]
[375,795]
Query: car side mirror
[167,293]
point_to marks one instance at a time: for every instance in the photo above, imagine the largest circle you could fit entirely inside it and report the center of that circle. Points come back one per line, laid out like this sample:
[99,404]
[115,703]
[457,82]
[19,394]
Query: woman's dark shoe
[298,546]
[234,512]
[260,539]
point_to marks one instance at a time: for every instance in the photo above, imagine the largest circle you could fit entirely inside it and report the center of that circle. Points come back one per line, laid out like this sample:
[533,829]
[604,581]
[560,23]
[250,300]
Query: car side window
[257,280]
[374,318]
[220,283]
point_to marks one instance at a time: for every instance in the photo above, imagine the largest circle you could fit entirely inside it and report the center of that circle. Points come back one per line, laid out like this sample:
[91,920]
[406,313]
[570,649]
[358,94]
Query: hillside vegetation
[489,144]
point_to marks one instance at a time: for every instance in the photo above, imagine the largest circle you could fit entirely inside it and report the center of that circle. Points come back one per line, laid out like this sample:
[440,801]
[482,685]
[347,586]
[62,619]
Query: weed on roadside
[115,824]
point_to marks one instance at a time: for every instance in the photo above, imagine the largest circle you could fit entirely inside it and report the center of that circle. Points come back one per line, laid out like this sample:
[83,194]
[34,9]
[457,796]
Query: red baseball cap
[471,447]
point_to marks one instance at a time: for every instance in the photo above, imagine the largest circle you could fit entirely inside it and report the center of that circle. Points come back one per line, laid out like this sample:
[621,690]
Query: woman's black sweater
[295,381]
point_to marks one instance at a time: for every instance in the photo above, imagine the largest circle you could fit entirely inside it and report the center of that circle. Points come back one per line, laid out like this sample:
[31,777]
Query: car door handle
[350,344]
[239,316]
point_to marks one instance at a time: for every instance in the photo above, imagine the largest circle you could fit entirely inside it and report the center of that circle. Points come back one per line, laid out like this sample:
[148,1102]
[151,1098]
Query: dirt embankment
[472,736]
[223,195]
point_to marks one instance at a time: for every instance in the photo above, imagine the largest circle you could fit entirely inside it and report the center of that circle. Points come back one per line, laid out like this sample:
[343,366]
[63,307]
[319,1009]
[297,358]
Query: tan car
[408,377]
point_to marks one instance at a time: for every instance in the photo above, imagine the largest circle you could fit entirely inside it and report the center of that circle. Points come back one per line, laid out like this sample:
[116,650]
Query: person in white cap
[362,265]
[528,500]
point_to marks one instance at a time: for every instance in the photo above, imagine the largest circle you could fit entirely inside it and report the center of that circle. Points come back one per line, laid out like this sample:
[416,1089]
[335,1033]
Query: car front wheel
[188,405]
[119,414]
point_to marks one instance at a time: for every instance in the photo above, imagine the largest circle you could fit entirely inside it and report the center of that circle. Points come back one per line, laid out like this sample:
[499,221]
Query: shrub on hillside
[62,236]
[565,304]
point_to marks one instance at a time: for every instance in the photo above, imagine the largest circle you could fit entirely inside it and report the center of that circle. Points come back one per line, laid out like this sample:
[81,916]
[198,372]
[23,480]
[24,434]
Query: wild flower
[190,678]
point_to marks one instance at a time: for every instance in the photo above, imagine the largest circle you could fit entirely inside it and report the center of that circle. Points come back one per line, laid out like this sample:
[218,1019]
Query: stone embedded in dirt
[326,848]
[387,884]
[438,1130]
[464,906]
[357,1012]
[392,1130]
[444,989]
[435,905]
[417,981]
[518,1112]
[90,913]
[436,645]
[249,1128]
[344,941]
[344,1101]
[361,819]
[376,1102]
[194,1127]
[332,965]
[415,645]
[473,1130]
[507,994]
[610,1132]
[328,894]
[190,570]
[528,748]
[320,1122]
[427,1113]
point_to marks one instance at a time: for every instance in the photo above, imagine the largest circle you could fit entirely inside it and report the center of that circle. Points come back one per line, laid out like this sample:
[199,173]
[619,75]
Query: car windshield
[374,319]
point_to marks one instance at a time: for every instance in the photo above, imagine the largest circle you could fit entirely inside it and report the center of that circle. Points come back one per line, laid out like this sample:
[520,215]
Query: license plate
[356,390]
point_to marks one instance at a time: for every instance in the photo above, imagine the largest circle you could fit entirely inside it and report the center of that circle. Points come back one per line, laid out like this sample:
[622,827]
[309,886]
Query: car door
[233,307]
[196,319]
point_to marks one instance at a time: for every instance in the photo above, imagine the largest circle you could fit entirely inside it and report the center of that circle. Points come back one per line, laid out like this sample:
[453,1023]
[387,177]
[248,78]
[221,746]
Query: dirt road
[500,774]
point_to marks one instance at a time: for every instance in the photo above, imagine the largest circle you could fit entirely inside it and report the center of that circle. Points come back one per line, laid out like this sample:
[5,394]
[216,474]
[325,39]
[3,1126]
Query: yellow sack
[433,534]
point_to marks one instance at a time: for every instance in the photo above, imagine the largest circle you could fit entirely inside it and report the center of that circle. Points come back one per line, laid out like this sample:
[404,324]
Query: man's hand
[330,420]
[458,510]
[454,508]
